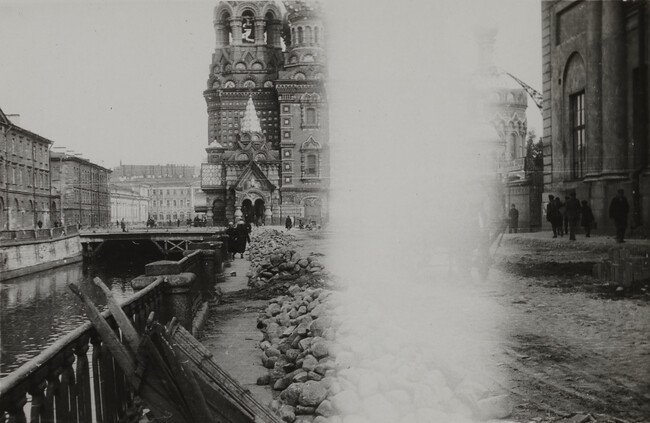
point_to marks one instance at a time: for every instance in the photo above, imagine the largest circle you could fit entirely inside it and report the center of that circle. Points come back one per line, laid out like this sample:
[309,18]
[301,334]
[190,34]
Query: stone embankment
[331,369]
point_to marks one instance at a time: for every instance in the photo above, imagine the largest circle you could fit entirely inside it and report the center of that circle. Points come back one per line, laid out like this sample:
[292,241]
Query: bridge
[166,240]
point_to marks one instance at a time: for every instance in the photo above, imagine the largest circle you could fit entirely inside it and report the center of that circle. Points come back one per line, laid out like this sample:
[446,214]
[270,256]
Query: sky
[122,81]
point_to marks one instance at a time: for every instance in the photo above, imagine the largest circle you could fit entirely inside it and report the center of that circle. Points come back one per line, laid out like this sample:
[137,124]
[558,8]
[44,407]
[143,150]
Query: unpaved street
[573,345]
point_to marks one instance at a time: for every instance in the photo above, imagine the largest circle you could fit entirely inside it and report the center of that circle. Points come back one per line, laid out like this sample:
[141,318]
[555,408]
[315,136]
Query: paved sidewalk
[232,336]
[596,239]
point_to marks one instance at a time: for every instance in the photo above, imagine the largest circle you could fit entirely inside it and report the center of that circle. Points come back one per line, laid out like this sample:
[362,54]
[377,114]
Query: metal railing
[76,379]
[37,234]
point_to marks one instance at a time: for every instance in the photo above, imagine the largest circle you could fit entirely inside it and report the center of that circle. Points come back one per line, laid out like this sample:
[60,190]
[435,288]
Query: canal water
[38,309]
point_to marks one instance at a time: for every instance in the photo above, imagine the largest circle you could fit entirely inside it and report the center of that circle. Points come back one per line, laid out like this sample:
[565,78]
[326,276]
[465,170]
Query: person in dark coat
[287,223]
[233,236]
[242,238]
[565,215]
[551,214]
[586,218]
[513,218]
[572,214]
[618,210]
[559,217]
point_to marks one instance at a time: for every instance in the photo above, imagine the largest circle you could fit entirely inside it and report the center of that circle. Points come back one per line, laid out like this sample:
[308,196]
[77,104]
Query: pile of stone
[273,260]
[298,335]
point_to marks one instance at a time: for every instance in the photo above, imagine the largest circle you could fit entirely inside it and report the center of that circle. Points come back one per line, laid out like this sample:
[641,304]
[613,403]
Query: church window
[308,36]
[248,27]
[311,167]
[285,108]
[300,35]
[310,116]
[317,35]
[287,122]
[577,104]
[287,134]
[287,180]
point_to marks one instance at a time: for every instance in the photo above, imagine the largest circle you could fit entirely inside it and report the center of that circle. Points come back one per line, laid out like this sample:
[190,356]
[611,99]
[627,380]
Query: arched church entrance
[219,212]
[259,209]
[247,211]
[3,215]
[313,210]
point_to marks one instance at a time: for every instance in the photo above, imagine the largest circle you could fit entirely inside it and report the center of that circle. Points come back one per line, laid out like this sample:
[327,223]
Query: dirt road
[575,347]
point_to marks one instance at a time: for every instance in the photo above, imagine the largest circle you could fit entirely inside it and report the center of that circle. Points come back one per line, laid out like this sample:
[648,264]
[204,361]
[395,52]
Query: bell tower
[246,60]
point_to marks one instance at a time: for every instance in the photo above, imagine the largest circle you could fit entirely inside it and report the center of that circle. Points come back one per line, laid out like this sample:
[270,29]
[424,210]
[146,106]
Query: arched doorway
[313,210]
[247,211]
[29,218]
[219,212]
[258,209]
[53,214]
[15,216]
[3,215]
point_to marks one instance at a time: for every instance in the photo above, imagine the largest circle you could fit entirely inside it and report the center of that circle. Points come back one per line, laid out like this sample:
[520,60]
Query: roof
[250,122]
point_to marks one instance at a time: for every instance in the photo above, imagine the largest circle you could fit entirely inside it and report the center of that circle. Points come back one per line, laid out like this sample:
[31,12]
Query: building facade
[268,138]
[25,197]
[172,190]
[596,104]
[130,203]
[83,188]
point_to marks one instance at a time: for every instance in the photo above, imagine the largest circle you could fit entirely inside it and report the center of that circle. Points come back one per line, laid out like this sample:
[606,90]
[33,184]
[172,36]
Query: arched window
[317,36]
[300,36]
[310,116]
[308,35]
[248,27]
[311,165]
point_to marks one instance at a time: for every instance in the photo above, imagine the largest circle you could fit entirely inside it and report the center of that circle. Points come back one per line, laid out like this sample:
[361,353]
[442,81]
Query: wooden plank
[124,359]
[126,326]
[227,394]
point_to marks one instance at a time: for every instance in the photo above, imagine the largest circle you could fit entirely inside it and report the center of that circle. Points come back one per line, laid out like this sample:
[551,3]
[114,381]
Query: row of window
[170,191]
[170,216]
[306,35]
[170,203]
[24,148]
[24,176]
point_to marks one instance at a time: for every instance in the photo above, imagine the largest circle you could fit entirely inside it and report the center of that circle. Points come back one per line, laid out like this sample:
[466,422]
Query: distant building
[130,203]
[502,104]
[83,187]
[596,103]
[25,197]
[172,201]
[171,189]
[268,117]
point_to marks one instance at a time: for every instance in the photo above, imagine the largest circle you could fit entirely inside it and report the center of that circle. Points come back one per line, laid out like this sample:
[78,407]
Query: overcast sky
[122,81]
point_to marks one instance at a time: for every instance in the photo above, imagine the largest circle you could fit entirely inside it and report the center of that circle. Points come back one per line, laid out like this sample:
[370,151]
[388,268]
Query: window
[311,168]
[310,116]
[579,156]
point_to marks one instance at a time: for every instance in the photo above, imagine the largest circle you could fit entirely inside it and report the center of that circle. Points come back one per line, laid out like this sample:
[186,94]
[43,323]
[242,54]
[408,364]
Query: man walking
[572,214]
[618,210]
[587,218]
[513,217]
[551,214]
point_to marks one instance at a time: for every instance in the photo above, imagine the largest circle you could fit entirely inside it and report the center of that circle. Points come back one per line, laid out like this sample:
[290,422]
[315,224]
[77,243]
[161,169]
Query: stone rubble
[327,372]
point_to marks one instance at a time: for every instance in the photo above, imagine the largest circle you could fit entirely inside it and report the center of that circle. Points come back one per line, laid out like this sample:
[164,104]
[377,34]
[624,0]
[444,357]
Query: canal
[38,309]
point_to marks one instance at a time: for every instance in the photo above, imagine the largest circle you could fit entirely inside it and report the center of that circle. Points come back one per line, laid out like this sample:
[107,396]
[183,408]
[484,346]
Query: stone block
[162,267]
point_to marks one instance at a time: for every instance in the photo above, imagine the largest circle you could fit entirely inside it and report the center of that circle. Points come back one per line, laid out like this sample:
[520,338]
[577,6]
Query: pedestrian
[559,217]
[242,238]
[513,219]
[565,217]
[178,223]
[117,223]
[288,223]
[572,214]
[587,218]
[123,225]
[551,214]
[232,239]
[618,210]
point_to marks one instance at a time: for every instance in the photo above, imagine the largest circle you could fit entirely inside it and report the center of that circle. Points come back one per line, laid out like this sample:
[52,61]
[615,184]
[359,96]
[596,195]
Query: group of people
[564,216]
[238,237]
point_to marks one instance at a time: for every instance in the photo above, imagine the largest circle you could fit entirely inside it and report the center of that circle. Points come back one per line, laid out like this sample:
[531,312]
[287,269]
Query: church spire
[250,123]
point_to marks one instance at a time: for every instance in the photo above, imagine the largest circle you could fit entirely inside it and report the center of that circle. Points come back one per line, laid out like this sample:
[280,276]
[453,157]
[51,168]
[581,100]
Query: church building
[268,137]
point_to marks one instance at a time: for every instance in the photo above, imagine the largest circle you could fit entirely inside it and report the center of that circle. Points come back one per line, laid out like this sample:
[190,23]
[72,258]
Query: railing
[64,385]
[37,234]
